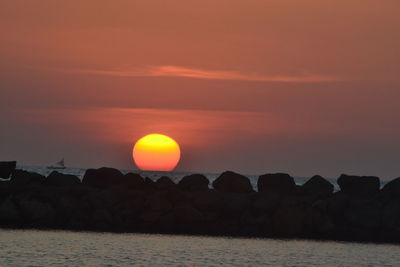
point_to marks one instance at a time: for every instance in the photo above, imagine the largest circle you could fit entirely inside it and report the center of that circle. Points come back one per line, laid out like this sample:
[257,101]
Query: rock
[391,221]
[133,180]
[176,196]
[150,216]
[391,216]
[165,182]
[7,168]
[225,205]
[9,213]
[128,203]
[37,212]
[318,223]
[289,220]
[156,206]
[149,184]
[59,179]
[338,204]
[194,182]
[132,204]
[76,225]
[71,211]
[158,203]
[114,199]
[359,185]
[167,223]
[23,178]
[4,190]
[267,203]
[80,192]
[47,194]
[185,213]
[281,183]
[364,214]
[101,219]
[233,183]
[255,224]
[103,177]
[392,189]
[320,205]
[210,200]
[234,204]
[317,185]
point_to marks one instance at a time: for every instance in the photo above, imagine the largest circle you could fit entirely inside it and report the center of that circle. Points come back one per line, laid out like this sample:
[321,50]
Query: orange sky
[302,86]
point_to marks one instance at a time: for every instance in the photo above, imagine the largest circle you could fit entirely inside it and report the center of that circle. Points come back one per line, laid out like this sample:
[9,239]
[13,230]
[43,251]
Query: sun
[156,152]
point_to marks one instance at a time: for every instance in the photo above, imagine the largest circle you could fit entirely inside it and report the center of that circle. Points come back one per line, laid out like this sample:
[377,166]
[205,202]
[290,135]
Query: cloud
[177,71]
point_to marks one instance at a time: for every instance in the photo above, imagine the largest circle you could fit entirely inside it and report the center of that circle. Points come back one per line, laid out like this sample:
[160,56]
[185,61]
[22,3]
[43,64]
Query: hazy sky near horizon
[255,86]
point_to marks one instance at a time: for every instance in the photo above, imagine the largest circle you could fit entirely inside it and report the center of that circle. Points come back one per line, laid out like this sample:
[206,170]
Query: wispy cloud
[177,71]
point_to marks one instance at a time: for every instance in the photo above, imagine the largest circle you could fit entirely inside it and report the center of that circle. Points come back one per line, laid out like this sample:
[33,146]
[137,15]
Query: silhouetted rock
[194,182]
[111,201]
[210,200]
[255,224]
[131,204]
[156,206]
[103,177]
[317,222]
[149,184]
[276,182]
[232,182]
[59,179]
[289,219]
[7,168]
[24,178]
[165,182]
[359,185]
[151,216]
[176,196]
[235,203]
[133,180]
[158,202]
[185,213]
[4,190]
[71,212]
[37,213]
[9,213]
[267,203]
[102,219]
[363,214]
[391,216]
[317,185]
[338,204]
[392,189]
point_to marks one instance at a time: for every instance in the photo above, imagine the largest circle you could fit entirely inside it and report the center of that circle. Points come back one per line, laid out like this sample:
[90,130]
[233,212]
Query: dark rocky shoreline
[107,200]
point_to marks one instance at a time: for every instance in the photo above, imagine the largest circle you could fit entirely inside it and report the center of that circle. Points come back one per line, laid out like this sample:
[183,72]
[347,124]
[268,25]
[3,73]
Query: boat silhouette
[57,166]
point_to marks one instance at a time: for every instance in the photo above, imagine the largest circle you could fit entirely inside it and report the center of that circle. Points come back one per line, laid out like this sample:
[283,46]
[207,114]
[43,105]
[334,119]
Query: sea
[67,248]
[62,248]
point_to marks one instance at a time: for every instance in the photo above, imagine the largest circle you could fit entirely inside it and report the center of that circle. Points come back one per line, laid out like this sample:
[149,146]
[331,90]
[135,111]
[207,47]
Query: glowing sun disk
[156,152]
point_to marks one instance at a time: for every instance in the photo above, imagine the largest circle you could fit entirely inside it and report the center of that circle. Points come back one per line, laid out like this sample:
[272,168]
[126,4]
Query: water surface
[61,248]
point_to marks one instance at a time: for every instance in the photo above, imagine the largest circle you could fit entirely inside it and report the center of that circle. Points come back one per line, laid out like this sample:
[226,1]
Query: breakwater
[107,200]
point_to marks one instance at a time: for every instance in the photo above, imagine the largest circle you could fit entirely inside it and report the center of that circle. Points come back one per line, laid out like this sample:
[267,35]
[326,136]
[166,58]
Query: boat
[57,166]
